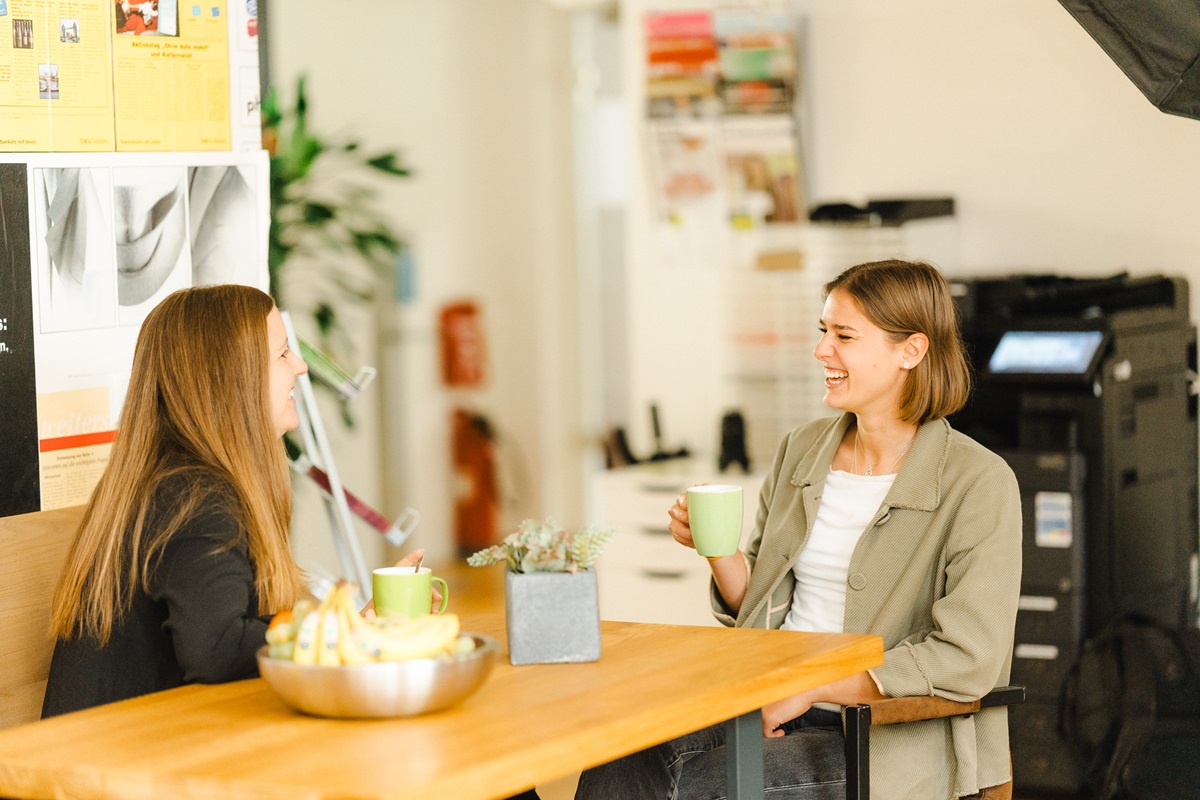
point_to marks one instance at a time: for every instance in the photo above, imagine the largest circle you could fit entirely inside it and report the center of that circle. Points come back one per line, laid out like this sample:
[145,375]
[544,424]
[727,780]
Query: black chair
[859,719]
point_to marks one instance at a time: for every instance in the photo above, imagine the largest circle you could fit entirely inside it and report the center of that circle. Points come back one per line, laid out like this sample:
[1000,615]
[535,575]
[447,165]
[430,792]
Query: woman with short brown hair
[882,520]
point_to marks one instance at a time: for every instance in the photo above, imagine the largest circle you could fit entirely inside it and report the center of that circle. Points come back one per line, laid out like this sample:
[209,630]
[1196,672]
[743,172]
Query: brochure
[681,64]
[763,170]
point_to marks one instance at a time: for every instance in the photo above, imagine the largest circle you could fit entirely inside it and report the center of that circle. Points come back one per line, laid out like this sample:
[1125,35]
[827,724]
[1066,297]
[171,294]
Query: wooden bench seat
[33,548]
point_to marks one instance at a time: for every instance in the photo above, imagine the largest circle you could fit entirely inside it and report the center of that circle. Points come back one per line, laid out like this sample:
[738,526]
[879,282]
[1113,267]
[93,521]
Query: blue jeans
[809,763]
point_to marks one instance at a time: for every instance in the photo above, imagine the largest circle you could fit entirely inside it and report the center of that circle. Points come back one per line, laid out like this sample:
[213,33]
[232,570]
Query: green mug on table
[715,517]
[406,591]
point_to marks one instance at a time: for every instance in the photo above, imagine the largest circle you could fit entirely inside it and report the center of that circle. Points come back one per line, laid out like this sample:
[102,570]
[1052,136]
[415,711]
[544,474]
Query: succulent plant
[543,546]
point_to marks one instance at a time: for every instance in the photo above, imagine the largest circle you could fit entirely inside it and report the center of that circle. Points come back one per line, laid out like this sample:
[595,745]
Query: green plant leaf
[387,163]
[325,317]
[340,229]
[269,108]
[317,213]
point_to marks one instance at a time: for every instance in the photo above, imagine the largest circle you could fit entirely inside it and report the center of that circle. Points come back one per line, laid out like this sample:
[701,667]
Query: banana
[329,638]
[423,637]
[306,639]
[349,649]
[334,633]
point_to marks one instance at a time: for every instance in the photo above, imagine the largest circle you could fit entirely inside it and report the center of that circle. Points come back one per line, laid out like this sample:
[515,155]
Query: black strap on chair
[857,721]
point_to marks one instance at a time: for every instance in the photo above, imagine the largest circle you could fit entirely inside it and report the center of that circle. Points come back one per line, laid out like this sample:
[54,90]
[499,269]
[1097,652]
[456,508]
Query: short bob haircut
[907,297]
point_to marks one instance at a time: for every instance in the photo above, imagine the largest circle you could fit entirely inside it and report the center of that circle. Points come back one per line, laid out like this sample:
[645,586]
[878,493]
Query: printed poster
[75,433]
[104,75]
[56,76]
[90,244]
[171,75]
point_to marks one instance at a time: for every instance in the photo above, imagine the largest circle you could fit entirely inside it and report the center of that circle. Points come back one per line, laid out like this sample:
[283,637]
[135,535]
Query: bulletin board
[131,165]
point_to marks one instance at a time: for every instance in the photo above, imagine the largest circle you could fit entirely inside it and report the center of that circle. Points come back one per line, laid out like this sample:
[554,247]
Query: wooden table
[525,725]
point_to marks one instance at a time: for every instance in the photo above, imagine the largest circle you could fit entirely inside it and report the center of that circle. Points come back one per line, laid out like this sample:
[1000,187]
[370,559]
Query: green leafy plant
[543,546]
[324,208]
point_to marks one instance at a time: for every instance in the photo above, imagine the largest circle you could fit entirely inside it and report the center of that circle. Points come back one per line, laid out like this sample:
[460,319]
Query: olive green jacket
[936,574]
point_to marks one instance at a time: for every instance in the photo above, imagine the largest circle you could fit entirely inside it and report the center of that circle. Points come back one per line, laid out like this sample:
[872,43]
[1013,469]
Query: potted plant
[325,212]
[552,607]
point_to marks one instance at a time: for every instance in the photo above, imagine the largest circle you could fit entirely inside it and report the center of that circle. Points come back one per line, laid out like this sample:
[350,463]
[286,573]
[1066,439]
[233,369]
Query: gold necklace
[870,471]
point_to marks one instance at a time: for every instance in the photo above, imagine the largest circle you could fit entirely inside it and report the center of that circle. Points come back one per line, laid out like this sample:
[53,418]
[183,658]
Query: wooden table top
[525,725]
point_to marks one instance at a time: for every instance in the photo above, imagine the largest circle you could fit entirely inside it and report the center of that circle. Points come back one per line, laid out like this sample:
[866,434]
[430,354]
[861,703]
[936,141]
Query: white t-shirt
[848,504]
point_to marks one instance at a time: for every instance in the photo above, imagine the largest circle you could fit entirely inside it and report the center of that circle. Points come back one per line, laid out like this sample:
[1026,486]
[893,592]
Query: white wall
[1055,159]
[1056,162]
[475,93]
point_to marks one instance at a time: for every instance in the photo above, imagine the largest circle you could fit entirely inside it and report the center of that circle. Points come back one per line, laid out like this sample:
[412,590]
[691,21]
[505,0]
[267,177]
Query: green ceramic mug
[715,517]
[405,591]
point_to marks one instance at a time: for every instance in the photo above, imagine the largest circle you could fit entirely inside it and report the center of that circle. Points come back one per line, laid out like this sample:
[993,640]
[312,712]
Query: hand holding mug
[679,524]
[414,559]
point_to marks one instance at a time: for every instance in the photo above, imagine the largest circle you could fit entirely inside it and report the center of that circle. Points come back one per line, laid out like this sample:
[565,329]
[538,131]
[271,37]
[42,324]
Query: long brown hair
[907,297]
[197,414]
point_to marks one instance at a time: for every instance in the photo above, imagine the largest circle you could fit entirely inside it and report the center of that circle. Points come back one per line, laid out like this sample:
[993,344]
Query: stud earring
[906,365]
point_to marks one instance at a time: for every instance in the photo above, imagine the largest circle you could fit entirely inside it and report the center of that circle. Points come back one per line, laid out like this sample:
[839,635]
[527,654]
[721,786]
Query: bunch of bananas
[334,633]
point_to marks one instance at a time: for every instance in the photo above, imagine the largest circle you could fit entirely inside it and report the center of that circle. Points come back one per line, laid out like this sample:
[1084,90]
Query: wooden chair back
[859,719]
[33,548]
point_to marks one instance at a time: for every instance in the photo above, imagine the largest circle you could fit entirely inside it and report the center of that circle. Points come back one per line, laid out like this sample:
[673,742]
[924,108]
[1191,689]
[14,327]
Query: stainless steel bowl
[380,689]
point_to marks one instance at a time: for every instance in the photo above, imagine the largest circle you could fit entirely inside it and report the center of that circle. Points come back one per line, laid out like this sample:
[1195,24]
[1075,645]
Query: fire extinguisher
[463,353]
[476,496]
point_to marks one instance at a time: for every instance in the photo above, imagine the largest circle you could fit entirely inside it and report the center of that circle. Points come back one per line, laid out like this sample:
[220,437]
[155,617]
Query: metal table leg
[744,756]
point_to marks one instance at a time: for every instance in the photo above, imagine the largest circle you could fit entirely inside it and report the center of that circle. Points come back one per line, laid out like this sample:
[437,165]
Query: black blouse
[198,624]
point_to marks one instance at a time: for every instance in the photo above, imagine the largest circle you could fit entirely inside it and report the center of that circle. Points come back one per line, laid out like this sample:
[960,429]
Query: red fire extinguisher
[463,352]
[476,501]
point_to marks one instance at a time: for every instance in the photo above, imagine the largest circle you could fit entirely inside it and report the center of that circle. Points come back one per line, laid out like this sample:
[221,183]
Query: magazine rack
[316,463]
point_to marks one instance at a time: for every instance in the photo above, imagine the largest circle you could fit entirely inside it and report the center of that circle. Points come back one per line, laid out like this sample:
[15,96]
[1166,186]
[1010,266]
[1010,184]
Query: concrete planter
[552,617]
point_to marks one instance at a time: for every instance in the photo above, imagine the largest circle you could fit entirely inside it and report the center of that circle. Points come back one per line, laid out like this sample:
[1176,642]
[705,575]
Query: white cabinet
[645,575]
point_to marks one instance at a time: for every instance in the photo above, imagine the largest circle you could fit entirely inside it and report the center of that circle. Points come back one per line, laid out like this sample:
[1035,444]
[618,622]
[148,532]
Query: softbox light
[1155,42]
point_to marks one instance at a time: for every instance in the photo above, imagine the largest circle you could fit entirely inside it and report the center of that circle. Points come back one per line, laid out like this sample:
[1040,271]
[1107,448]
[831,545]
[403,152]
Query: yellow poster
[56,77]
[171,75]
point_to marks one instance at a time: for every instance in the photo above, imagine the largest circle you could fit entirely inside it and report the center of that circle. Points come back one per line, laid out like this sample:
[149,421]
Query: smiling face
[283,367]
[864,372]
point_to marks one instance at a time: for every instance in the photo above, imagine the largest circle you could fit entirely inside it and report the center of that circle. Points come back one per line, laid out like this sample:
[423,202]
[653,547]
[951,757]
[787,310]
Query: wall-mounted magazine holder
[323,368]
[395,532]
[316,462]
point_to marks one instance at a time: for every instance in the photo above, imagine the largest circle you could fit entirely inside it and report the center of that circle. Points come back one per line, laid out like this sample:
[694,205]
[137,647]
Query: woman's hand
[678,525]
[849,691]
[412,559]
[779,712]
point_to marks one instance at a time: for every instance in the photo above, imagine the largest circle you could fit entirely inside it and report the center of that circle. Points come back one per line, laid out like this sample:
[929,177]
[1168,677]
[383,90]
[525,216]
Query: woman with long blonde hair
[183,555]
